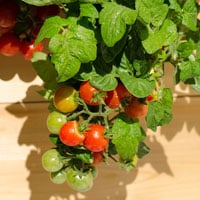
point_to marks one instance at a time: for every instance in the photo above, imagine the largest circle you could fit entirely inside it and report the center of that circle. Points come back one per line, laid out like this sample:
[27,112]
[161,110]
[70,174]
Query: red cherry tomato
[114,97]
[88,93]
[94,138]
[8,13]
[135,108]
[9,44]
[28,49]
[97,157]
[70,135]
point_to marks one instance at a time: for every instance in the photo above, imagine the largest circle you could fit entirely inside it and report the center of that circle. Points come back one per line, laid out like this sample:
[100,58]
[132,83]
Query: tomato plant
[9,44]
[79,181]
[91,95]
[64,99]
[104,69]
[29,48]
[94,138]
[135,108]
[70,135]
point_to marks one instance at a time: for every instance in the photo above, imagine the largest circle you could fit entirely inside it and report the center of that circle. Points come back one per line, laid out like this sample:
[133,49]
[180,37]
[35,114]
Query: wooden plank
[169,172]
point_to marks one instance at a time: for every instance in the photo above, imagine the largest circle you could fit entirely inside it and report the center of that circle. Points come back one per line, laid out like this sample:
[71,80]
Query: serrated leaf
[113,20]
[45,70]
[185,49]
[51,26]
[155,115]
[174,5]
[153,12]
[126,137]
[106,82]
[139,87]
[65,64]
[190,15]
[167,97]
[163,37]
[189,69]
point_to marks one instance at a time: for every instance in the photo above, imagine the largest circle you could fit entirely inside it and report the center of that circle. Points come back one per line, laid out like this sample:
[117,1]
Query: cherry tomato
[51,160]
[94,138]
[135,108]
[28,49]
[64,99]
[78,180]
[58,177]
[8,13]
[114,97]
[55,121]
[9,44]
[97,158]
[89,93]
[70,135]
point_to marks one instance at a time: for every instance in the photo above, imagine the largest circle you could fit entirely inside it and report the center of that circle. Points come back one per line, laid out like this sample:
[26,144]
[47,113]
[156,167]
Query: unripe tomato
[78,180]
[94,138]
[64,99]
[70,135]
[89,94]
[135,108]
[55,121]
[51,160]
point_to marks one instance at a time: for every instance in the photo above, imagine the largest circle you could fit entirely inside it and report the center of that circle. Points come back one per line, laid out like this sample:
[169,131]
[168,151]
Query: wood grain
[170,171]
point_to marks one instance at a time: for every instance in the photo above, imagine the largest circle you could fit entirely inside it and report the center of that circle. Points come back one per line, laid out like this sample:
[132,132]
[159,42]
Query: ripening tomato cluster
[19,26]
[79,124]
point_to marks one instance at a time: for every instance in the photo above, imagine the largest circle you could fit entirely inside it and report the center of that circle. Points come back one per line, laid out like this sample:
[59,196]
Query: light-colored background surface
[170,172]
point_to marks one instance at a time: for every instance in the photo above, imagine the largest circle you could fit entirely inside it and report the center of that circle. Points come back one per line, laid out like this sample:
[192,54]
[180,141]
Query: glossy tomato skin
[97,157]
[70,135]
[94,138]
[29,48]
[115,97]
[79,181]
[64,99]
[9,44]
[135,108]
[87,93]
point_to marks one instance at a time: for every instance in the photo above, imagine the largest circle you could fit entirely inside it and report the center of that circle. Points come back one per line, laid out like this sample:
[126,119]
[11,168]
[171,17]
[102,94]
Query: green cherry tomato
[64,99]
[58,177]
[51,160]
[79,181]
[55,120]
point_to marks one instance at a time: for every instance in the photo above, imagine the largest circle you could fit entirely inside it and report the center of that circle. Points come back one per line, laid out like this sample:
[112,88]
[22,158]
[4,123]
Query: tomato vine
[119,49]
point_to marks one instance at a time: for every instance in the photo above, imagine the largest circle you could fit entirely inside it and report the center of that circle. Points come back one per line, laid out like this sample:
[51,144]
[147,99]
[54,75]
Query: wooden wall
[170,172]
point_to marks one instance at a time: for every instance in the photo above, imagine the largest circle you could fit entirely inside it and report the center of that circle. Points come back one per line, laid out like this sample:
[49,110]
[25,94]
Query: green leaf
[190,15]
[126,136]
[66,64]
[69,50]
[196,85]
[54,138]
[153,12]
[155,115]
[106,82]
[45,2]
[139,87]
[113,20]
[189,69]
[163,37]
[88,10]
[143,149]
[86,157]
[174,5]
[45,70]
[185,49]
[51,26]
[160,112]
